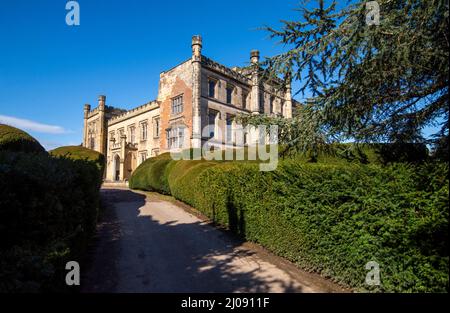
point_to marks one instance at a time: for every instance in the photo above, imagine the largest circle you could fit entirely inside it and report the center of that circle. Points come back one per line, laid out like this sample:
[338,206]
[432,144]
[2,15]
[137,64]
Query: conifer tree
[369,81]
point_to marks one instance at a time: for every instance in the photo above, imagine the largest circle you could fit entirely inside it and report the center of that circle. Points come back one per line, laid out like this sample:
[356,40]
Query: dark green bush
[80,153]
[329,218]
[150,174]
[48,211]
[13,139]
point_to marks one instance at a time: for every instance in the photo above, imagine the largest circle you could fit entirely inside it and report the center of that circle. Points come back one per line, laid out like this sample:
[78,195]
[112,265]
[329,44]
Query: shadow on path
[155,246]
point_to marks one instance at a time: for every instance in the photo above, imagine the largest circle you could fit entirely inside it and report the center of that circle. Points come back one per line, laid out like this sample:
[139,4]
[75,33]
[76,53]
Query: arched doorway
[116,168]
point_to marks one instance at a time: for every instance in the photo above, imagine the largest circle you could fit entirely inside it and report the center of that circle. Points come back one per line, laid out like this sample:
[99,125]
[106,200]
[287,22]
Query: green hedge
[150,174]
[330,219]
[80,153]
[14,139]
[48,211]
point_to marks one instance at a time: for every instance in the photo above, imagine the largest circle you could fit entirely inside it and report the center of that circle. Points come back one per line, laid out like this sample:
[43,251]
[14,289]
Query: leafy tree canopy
[384,82]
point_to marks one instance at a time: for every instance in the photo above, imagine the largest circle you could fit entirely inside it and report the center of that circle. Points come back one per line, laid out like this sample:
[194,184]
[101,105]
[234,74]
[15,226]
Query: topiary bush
[14,139]
[48,212]
[80,153]
[149,175]
[329,218]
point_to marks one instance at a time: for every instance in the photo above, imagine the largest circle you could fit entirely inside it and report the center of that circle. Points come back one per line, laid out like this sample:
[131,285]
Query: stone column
[87,109]
[255,95]
[254,60]
[287,107]
[196,139]
[123,142]
[102,121]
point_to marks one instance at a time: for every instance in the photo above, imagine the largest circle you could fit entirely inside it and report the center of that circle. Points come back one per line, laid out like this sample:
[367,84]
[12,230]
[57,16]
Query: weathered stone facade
[196,103]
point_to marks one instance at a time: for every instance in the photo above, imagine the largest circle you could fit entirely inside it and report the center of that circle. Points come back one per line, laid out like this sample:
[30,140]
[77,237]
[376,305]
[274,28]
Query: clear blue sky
[48,70]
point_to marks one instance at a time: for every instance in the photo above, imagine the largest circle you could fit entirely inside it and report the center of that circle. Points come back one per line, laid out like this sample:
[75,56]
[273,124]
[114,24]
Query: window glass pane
[229,128]
[244,99]
[212,86]
[175,137]
[212,122]
[156,127]
[177,105]
[272,102]
[229,94]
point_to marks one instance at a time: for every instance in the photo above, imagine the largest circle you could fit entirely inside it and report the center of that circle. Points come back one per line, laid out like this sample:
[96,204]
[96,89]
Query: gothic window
[272,103]
[212,122]
[144,130]
[175,137]
[244,99]
[230,128]
[143,156]
[177,105]
[155,127]
[132,130]
[212,88]
[261,102]
[230,90]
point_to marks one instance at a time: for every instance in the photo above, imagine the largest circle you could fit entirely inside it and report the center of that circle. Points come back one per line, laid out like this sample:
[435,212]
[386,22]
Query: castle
[196,104]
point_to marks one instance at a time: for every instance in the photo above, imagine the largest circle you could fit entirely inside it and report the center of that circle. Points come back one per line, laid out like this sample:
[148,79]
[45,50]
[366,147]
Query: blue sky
[48,70]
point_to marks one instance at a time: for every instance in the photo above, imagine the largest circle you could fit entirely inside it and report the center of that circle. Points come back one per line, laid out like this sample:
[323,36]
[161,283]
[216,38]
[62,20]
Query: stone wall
[132,153]
[189,80]
[173,83]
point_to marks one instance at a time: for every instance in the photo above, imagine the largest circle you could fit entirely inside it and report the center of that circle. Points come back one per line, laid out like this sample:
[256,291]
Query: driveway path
[147,244]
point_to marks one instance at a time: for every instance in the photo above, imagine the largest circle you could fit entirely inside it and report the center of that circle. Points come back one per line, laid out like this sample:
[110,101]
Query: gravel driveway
[145,243]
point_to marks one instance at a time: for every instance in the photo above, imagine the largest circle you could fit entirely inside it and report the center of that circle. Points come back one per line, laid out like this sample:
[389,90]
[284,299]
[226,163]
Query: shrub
[330,218]
[48,211]
[149,175]
[80,153]
[13,139]
[335,219]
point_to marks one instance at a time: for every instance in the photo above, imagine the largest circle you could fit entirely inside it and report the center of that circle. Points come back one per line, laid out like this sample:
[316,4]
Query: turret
[196,47]
[254,60]
[102,120]
[254,57]
[101,102]
[87,109]
[287,107]
[196,138]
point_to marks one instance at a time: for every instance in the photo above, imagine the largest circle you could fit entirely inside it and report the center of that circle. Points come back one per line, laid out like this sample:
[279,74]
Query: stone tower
[95,126]
[255,93]
[102,125]
[87,109]
[196,91]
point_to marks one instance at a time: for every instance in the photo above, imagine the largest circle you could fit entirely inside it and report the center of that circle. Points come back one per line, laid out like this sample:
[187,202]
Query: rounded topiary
[14,139]
[79,153]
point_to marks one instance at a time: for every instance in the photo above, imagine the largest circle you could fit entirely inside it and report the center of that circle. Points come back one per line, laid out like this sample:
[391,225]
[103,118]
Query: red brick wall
[177,88]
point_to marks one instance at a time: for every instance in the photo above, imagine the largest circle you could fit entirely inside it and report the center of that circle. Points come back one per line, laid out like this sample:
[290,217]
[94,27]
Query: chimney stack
[196,137]
[254,56]
[101,102]
[87,109]
[196,47]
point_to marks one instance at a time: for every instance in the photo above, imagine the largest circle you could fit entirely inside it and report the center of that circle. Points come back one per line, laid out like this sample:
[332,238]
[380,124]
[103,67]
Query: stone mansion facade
[194,94]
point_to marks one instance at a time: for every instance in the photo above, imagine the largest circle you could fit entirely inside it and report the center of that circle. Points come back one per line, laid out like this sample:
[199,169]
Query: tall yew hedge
[48,211]
[327,218]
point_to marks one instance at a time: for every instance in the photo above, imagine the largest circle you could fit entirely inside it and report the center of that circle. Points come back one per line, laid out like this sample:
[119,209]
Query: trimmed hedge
[14,139]
[48,212]
[331,219]
[80,153]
